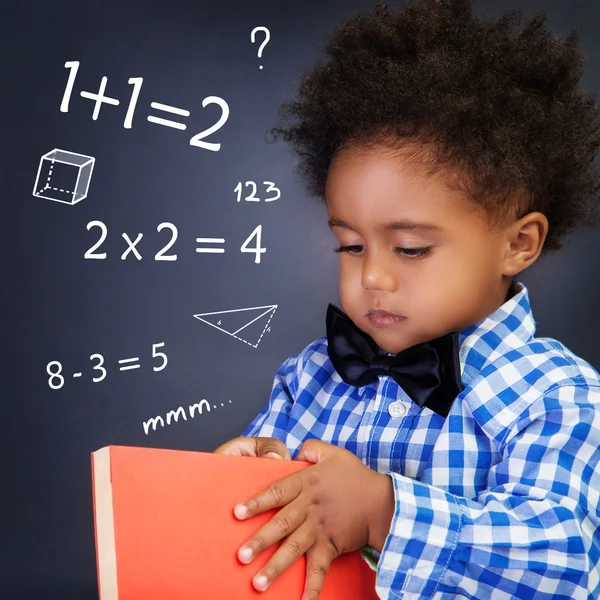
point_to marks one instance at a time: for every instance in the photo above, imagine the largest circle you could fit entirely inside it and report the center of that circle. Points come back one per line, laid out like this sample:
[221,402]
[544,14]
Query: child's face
[458,283]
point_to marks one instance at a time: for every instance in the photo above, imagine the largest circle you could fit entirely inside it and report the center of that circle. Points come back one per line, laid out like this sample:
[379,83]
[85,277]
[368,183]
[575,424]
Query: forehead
[380,185]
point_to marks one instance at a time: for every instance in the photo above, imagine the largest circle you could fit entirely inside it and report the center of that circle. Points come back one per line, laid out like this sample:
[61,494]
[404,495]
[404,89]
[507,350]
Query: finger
[276,495]
[283,524]
[241,446]
[313,450]
[285,556]
[318,562]
[272,448]
[272,455]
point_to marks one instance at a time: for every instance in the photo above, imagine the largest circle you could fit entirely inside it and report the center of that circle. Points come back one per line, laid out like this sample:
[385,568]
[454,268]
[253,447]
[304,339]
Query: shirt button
[397,409]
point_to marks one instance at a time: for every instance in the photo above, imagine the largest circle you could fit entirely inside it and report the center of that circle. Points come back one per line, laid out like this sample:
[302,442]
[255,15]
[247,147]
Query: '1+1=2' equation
[100,99]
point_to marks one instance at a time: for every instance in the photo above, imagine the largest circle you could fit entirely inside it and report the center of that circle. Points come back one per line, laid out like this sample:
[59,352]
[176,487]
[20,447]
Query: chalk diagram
[254,322]
[64,176]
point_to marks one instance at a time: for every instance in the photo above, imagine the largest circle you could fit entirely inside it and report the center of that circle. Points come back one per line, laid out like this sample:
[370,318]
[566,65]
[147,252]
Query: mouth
[382,318]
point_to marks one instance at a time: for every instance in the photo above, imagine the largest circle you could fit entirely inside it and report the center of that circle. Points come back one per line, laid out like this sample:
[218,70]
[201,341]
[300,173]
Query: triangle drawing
[248,325]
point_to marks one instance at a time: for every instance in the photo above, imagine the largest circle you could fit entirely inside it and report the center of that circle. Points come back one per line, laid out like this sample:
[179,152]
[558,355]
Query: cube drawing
[63,176]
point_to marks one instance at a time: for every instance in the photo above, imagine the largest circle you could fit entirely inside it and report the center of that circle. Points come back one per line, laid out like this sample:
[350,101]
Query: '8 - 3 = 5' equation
[57,375]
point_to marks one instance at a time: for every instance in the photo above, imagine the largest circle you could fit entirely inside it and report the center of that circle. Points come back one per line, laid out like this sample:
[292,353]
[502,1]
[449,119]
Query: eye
[414,252]
[351,249]
[410,252]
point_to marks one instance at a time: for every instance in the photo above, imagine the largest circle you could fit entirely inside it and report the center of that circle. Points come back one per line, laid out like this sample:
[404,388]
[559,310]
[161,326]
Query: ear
[524,242]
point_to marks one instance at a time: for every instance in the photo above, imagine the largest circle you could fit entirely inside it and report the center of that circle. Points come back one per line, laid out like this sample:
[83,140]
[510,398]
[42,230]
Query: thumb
[312,450]
[272,448]
[273,455]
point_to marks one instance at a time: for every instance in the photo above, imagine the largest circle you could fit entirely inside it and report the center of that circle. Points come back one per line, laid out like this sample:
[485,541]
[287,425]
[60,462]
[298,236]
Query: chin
[390,340]
[384,342]
[392,349]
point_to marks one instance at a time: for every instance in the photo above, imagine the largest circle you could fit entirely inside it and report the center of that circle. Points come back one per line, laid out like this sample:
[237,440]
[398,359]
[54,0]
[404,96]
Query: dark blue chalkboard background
[60,308]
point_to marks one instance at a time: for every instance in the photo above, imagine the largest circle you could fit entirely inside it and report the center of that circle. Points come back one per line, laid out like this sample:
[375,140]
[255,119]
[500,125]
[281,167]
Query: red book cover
[165,529]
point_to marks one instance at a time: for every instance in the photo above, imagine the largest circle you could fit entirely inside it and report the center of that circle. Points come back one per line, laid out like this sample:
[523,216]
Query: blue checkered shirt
[499,500]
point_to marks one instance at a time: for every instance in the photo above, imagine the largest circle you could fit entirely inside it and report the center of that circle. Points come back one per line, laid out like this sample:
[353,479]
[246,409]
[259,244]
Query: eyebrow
[405,224]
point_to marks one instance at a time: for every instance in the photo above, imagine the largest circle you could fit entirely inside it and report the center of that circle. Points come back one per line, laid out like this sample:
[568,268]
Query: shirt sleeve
[272,420]
[533,533]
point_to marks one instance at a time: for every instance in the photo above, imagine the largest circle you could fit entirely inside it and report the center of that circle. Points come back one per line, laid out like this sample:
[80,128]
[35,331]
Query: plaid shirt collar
[508,327]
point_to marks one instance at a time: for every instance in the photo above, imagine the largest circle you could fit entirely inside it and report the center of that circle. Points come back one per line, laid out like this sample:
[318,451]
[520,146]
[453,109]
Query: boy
[458,451]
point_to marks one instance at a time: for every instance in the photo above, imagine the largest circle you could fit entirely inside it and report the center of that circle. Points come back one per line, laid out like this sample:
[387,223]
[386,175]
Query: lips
[383,313]
[382,318]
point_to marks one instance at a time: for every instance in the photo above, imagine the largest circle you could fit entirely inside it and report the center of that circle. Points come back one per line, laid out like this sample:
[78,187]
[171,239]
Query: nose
[377,273]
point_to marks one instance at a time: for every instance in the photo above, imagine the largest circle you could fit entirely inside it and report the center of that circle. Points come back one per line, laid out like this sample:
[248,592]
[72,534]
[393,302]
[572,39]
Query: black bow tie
[428,372]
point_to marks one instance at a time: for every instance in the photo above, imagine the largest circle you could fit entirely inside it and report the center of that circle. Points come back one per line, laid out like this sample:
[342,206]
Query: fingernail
[240,511]
[260,582]
[245,554]
[311,456]
[273,455]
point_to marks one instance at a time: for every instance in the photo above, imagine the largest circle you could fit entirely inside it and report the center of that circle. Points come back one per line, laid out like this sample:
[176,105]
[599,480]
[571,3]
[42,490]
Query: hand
[330,508]
[255,446]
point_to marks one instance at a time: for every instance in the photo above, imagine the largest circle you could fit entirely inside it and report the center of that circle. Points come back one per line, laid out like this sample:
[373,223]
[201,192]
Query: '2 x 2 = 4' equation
[204,247]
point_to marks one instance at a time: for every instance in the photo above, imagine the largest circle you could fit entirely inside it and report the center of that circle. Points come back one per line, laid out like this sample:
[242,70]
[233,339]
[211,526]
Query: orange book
[165,529]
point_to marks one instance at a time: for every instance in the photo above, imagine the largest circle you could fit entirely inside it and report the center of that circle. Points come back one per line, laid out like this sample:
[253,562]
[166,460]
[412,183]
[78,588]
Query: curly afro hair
[496,113]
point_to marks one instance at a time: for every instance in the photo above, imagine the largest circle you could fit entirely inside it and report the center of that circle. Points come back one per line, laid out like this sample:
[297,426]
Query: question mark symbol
[265,41]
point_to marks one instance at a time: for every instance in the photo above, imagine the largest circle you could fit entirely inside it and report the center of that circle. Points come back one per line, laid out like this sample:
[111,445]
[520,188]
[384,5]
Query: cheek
[435,288]
[350,286]
[457,288]
[348,291]
[350,272]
